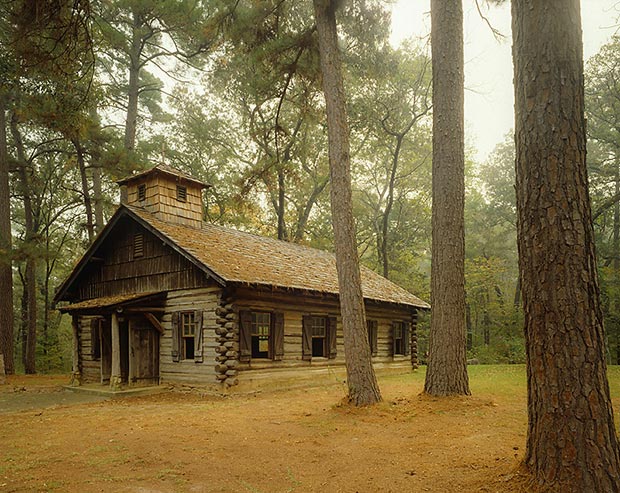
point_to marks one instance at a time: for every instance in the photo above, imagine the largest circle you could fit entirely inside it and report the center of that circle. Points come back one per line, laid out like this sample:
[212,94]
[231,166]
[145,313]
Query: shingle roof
[167,170]
[239,257]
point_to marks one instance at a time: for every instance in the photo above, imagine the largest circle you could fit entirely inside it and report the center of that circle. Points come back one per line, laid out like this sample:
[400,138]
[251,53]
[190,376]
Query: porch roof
[109,302]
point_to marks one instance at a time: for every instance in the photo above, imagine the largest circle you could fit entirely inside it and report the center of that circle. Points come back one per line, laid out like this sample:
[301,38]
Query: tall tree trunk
[385,221]
[361,379]
[447,366]
[6,271]
[90,226]
[30,277]
[571,441]
[133,90]
[281,208]
[614,302]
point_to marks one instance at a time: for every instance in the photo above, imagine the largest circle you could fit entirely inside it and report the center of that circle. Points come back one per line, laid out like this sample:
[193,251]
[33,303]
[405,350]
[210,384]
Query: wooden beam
[155,322]
[115,377]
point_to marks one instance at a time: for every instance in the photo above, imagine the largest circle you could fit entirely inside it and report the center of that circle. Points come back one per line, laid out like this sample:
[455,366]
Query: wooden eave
[111,303]
[165,170]
[89,256]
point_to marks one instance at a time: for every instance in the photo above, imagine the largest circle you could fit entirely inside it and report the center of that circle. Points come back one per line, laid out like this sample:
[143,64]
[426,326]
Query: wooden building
[162,296]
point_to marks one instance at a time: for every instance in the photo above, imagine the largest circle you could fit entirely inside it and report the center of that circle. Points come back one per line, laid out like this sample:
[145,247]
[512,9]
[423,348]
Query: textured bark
[6,273]
[571,441]
[362,383]
[133,90]
[447,365]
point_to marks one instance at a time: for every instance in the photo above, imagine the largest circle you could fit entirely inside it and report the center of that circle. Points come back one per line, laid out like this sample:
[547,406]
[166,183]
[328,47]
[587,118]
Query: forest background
[230,93]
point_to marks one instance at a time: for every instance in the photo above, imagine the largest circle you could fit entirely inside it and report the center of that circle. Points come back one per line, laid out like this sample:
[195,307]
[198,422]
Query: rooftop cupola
[169,194]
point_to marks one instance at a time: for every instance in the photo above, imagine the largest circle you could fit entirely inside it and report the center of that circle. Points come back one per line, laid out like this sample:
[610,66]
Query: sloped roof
[239,257]
[165,169]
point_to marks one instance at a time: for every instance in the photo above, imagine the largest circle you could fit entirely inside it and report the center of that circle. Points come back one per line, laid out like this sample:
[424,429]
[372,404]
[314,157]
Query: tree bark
[30,277]
[90,226]
[571,440]
[6,271]
[447,366]
[361,379]
[133,91]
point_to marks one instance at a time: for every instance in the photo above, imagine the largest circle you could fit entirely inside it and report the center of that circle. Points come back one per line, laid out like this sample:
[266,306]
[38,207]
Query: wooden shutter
[198,337]
[406,339]
[176,336]
[245,335]
[95,338]
[306,339]
[393,338]
[372,336]
[331,334]
[278,336]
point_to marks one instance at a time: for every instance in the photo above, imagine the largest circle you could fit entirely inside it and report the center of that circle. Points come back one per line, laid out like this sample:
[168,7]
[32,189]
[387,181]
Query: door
[144,353]
[106,350]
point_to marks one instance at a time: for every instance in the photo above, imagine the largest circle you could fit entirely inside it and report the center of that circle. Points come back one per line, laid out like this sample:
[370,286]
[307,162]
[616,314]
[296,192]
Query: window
[372,336]
[142,192]
[261,328]
[138,245]
[188,335]
[261,335]
[318,337]
[400,338]
[181,193]
[318,328]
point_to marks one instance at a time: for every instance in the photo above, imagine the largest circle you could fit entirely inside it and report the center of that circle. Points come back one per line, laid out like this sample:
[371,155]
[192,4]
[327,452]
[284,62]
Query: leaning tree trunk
[88,207]
[133,90]
[6,271]
[571,440]
[447,365]
[363,388]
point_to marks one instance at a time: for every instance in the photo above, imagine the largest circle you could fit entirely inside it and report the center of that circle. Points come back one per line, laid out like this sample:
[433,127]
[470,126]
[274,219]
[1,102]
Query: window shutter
[95,341]
[393,338]
[406,339]
[278,336]
[245,335]
[198,337]
[306,339]
[175,337]
[372,336]
[331,334]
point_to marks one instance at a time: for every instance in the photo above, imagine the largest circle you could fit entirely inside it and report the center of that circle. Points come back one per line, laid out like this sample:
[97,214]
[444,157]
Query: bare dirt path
[278,441]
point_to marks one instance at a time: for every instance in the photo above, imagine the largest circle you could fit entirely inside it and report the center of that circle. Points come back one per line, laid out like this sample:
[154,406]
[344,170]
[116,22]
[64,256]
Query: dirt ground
[300,440]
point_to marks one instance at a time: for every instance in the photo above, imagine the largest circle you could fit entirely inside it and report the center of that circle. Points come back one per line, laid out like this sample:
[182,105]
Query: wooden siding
[161,199]
[295,307]
[189,371]
[91,368]
[117,272]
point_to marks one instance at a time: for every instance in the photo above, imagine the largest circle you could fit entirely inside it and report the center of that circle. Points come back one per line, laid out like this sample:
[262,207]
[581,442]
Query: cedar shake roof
[165,169]
[109,301]
[238,257]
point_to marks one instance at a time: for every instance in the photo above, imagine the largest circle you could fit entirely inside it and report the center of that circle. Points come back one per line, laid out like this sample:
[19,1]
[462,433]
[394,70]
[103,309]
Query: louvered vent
[181,193]
[142,192]
[138,245]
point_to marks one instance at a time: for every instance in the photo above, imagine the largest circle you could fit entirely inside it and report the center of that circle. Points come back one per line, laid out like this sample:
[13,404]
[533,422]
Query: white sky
[489,94]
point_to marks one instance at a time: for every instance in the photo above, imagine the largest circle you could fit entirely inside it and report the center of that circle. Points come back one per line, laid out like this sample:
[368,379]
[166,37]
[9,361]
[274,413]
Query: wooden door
[106,350]
[144,354]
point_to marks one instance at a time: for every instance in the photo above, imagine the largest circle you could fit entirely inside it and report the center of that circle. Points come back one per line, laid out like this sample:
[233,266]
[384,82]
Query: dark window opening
[188,333]
[95,339]
[318,328]
[138,245]
[261,331]
[181,193]
[372,326]
[142,192]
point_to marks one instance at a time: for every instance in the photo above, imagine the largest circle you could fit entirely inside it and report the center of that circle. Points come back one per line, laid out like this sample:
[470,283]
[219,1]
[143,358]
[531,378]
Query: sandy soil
[278,441]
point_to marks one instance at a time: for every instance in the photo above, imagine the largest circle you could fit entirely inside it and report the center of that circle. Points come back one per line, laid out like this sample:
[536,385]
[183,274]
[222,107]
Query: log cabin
[162,296]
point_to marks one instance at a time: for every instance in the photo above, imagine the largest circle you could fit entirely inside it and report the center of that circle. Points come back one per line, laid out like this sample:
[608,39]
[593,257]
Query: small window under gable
[138,245]
[181,193]
[142,192]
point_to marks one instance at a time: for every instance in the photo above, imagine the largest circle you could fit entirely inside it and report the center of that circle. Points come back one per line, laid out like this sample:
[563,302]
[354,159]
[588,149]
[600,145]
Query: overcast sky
[489,95]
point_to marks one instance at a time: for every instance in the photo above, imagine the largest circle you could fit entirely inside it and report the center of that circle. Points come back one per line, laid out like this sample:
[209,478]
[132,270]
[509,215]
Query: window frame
[270,327]
[187,319]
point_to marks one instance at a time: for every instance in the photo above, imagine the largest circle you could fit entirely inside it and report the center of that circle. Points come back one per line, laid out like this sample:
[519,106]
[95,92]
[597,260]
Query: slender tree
[362,383]
[6,271]
[447,365]
[571,442]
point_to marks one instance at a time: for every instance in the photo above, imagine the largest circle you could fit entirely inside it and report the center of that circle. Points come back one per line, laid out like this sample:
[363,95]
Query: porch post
[115,377]
[76,374]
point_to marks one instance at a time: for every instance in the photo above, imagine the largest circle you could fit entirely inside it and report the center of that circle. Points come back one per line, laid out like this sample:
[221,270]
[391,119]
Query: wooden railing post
[115,377]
